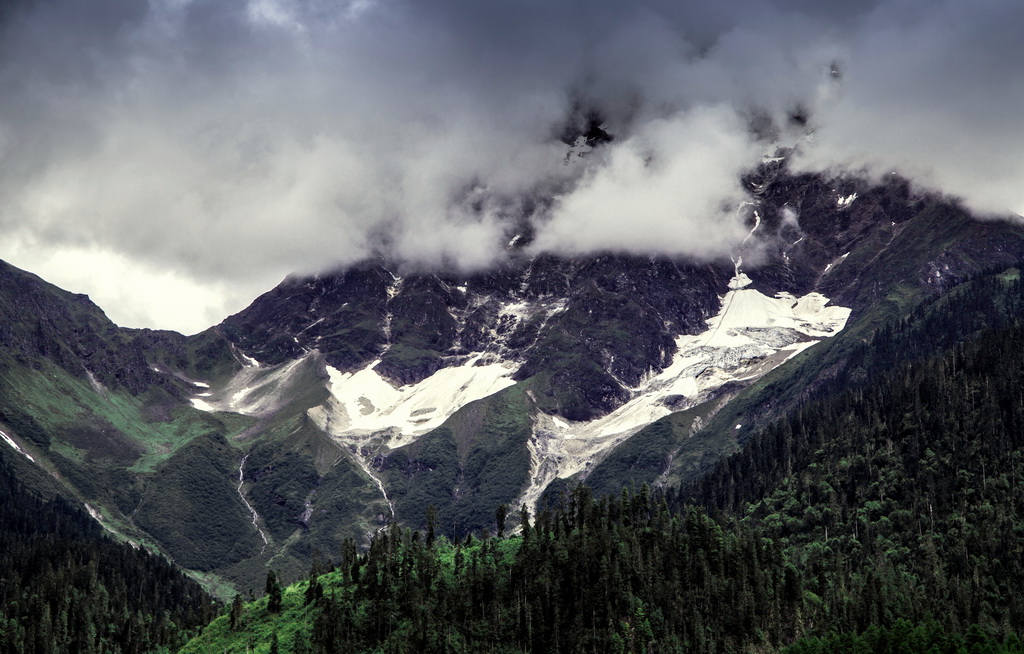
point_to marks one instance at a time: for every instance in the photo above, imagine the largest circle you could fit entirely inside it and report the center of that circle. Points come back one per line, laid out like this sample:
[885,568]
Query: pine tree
[273,592]
[235,619]
[499,517]
[431,525]
[299,643]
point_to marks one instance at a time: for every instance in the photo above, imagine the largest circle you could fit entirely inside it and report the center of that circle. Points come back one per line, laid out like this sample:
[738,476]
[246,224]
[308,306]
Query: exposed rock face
[597,325]
[40,321]
[593,327]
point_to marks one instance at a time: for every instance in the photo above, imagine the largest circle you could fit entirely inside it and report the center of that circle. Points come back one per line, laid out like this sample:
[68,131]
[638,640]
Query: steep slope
[68,587]
[886,514]
[910,477]
[338,402]
[936,249]
[104,414]
[587,352]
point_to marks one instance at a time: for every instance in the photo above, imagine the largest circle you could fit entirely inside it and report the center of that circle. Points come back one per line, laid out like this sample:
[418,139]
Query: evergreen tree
[499,518]
[431,525]
[237,609]
[273,592]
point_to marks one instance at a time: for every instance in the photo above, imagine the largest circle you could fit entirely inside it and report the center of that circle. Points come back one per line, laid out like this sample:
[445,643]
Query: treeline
[903,636]
[619,574]
[66,587]
[616,574]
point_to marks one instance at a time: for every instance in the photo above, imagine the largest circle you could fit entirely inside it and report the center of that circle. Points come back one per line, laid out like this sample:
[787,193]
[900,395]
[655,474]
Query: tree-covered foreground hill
[66,586]
[885,515]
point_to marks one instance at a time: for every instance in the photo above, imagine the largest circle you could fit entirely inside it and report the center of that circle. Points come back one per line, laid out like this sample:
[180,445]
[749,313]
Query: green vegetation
[67,587]
[615,575]
[475,462]
[310,496]
[191,506]
[105,427]
[906,637]
[885,514]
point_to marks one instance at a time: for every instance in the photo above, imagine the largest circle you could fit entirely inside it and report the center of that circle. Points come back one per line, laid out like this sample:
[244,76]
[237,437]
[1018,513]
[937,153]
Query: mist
[207,149]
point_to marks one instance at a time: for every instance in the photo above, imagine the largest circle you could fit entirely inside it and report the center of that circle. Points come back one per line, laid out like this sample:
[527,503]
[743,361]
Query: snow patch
[17,448]
[751,335]
[835,263]
[247,360]
[845,202]
[364,403]
[739,281]
[256,390]
[96,515]
[203,405]
[95,383]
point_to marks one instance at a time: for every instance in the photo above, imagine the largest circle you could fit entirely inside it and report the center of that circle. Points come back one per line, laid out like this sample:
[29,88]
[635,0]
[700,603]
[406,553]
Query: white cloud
[132,293]
[934,91]
[224,144]
[672,187]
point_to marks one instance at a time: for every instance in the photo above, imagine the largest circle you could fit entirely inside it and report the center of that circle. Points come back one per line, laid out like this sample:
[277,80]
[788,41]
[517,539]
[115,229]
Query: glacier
[752,334]
[369,415]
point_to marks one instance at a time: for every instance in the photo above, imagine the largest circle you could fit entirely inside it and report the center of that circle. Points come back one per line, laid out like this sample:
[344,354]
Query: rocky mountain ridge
[337,402]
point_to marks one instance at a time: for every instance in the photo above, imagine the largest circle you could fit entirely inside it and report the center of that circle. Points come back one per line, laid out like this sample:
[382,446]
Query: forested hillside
[902,498]
[887,513]
[65,586]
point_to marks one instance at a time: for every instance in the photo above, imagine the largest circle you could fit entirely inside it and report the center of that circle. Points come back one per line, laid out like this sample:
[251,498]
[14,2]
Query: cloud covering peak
[208,148]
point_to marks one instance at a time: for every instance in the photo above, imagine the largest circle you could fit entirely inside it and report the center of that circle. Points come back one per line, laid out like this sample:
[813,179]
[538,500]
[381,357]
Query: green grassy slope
[477,460]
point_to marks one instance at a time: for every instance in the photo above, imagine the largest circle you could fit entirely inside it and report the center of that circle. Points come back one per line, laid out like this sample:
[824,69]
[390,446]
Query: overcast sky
[174,159]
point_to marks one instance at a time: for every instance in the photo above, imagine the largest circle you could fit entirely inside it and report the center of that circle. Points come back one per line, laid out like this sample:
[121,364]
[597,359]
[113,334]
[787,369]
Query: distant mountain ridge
[337,401]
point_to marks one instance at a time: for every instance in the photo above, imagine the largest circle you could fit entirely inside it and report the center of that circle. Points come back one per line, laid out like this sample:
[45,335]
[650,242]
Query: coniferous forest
[885,515]
[65,586]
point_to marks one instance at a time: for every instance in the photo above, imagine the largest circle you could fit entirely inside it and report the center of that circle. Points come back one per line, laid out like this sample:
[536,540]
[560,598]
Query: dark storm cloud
[231,142]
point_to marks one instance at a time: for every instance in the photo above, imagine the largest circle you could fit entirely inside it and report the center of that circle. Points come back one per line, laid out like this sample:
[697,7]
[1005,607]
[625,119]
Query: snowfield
[367,414]
[751,335]
[364,402]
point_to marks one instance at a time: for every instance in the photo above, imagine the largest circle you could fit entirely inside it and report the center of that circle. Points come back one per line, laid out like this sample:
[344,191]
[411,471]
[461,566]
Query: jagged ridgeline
[339,403]
[885,513]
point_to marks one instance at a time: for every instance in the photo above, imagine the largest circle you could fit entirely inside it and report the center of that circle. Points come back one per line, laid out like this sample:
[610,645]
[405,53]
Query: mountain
[884,514]
[339,401]
[69,587]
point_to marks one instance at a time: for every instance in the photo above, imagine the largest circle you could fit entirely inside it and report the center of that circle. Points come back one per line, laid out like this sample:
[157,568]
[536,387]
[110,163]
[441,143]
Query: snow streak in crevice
[252,510]
[17,448]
